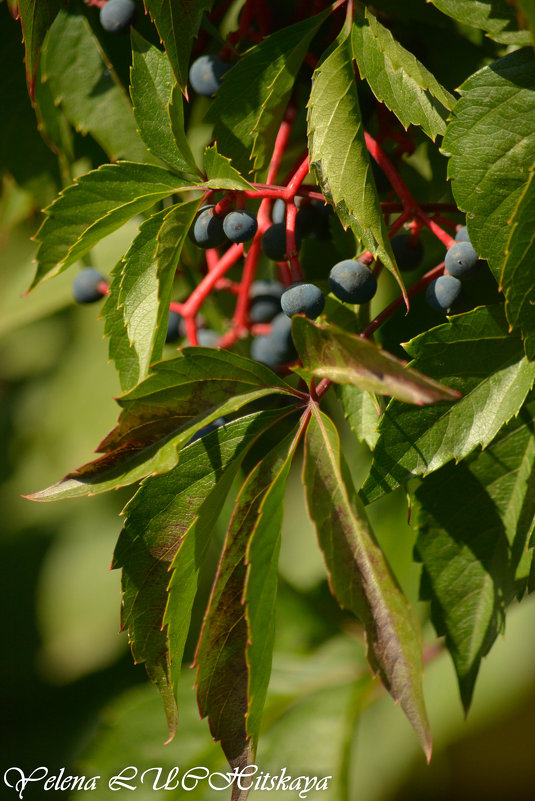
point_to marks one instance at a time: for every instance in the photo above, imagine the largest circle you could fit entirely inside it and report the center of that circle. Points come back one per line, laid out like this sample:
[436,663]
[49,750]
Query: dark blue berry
[207,230]
[205,74]
[352,282]
[207,338]
[278,212]
[265,300]
[87,286]
[408,251]
[117,15]
[274,241]
[240,225]
[303,298]
[462,235]
[207,429]
[275,348]
[173,326]
[443,293]
[461,260]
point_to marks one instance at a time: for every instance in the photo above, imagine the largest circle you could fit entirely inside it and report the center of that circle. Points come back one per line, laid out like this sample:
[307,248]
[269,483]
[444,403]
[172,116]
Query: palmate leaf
[178,22]
[233,656]
[330,352]
[151,88]
[250,103]
[162,413]
[36,18]
[87,89]
[220,172]
[491,141]
[475,354]
[397,78]
[338,153]
[94,206]
[496,17]
[359,575]
[474,523]
[166,509]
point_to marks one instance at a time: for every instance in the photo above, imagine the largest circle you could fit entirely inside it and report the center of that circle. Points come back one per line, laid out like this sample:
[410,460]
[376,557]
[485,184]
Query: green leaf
[147,280]
[338,153]
[176,116]
[528,9]
[120,350]
[362,412]
[250,103]
[397,78]
[492,147]
[158,519]
[162,413]
[475,354]
[178,22]
[233,656]
[474,522]
[359,575]
[87,89]
[94,206]
[220,172]
[496,17]
[330,352]
[151,89]
[36,18]
[518,277]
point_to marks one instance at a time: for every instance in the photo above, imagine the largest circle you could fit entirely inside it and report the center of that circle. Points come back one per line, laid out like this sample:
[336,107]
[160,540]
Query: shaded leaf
[232,672]
[157,520]
[220,172]
[36,18]
[87,88]
[496,17]
[176,115]
[178,22]
[152,82]
[119,349]
[475,354]
[330,352]
[250,103]
[474,522]
[162,413]
[94,206]
[491,141]
[359,575]
[338,153]
[362,412]
[397,78]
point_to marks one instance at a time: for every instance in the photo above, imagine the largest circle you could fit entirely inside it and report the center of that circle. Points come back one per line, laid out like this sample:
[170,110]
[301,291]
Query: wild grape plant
[265,233]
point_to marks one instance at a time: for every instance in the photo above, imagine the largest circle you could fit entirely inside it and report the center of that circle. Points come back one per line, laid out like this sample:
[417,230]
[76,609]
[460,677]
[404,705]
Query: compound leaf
[330,352]
[474,523]
[164,411]
[491,142]
[94,206]
[359,575]
[178,22]
[87,89]
[157,520]
[475,354]
[397,78]
[151,89]
[338,153]
[36,18]
[250,103]
[220,172]
[496,17]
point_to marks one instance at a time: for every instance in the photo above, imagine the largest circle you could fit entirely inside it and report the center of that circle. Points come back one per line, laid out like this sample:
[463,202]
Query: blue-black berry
[274,241]
[87,286]
[278,212]
[265,300]
[275,348]
[303,298]
[117,15]
[240,225]
[352,282]
[206,73]
[443,293]
[173,326]
[462,235]
[207,338]
[207,229]
[408,251]
[461,260]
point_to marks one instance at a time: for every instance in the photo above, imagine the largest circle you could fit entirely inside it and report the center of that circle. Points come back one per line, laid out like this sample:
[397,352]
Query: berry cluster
[461,262]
